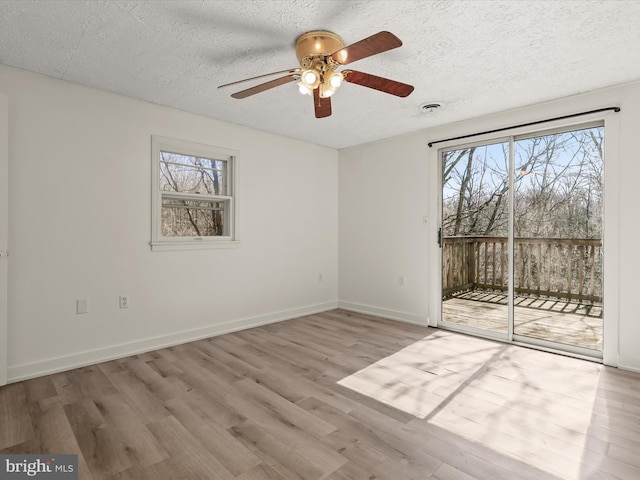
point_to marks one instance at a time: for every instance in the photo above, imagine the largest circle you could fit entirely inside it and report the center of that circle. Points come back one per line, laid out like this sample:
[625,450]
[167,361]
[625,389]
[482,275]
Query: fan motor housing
[317,43]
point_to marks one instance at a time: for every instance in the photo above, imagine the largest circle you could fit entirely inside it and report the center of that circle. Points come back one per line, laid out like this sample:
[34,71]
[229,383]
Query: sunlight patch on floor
[519,402]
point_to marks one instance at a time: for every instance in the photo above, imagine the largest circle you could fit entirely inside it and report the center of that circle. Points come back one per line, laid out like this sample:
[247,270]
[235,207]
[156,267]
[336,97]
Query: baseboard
[384,312]
[629,368]
[68,362]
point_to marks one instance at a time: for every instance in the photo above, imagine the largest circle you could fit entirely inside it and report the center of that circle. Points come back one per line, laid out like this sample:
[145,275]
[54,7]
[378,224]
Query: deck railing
[563,268]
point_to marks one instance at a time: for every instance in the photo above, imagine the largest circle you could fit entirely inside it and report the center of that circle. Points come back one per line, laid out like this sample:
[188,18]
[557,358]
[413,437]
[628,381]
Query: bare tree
[558,187]
[193,175]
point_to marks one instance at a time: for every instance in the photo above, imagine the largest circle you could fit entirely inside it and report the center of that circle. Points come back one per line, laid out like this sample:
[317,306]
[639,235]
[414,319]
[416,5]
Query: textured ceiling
[475,57]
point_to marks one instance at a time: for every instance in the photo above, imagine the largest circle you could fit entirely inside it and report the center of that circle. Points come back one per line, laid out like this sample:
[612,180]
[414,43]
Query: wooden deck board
[552,320]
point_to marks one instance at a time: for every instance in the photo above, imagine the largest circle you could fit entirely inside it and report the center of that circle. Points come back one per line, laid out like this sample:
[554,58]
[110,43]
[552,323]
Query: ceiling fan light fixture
[303,89]
[310,78]
[326,90]
[330,84]
[335,79]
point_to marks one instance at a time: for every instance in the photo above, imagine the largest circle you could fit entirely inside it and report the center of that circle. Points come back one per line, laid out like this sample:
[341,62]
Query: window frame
[160,242]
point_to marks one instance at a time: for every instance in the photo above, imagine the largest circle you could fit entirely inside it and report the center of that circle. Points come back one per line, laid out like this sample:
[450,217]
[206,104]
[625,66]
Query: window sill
[200,245]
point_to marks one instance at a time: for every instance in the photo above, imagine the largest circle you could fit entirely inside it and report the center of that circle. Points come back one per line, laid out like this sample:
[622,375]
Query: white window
[193,195]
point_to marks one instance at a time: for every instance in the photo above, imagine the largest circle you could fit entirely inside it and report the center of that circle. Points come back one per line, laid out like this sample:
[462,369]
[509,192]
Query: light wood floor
[336,396]
[554,320]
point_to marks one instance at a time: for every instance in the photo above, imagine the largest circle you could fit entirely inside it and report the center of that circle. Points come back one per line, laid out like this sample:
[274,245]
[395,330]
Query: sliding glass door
[557,229]
[474,234]
[521,239]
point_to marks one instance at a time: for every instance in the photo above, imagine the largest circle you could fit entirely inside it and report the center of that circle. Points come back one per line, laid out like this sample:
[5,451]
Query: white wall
[79,214]
[383,202]
[387,187]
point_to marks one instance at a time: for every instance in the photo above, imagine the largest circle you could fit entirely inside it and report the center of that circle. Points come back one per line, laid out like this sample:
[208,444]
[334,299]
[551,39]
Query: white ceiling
[475,57]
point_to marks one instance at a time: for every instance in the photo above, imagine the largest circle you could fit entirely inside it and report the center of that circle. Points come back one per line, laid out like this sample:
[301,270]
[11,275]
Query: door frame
[4,232]
[610,237]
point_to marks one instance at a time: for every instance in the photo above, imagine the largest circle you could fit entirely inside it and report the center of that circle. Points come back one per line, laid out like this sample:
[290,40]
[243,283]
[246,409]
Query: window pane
[475,191]
[192,218]
[558,252]
[189,174]
[559,185]
[475,221]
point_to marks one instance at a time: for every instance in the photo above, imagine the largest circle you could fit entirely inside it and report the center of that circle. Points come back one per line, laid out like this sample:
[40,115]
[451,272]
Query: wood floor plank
[165,368]
[236,351]
[428,442]
[595,466]
[473,458]
[67,391]
[261,472]
[291,389]
[228,450]
[14,412]
[517,443]
[335,395]
[153,381]
[447,472]
[77,385]
[193,458]
[294,427]
[213,410]
[141,447]
[312,343]
[275,453]
[389,410]
[305,388]
[53,435]
[101,446]
[370,458]
[284,409]
[361,431]
[144,402]
[40,390]
[222,363]
[198,355]
[353,471]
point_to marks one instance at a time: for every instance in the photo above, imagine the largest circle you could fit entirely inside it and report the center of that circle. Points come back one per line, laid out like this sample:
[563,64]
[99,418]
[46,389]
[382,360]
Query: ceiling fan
[320,53]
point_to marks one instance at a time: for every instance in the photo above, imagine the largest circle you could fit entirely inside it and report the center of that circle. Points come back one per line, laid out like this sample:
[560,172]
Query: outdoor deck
[557,283]
[547,319]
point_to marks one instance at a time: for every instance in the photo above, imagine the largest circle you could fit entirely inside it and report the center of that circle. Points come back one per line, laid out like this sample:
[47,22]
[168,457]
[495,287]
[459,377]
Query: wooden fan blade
[290,71]
[385,85]
[264,86]
[378,43]
[321,105]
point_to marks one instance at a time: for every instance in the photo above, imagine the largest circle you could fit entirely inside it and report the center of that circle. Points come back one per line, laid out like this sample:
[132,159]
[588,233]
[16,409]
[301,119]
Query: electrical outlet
[124,301]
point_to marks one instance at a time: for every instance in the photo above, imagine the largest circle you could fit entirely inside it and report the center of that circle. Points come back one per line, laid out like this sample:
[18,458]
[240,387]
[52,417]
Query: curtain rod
[615,109]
